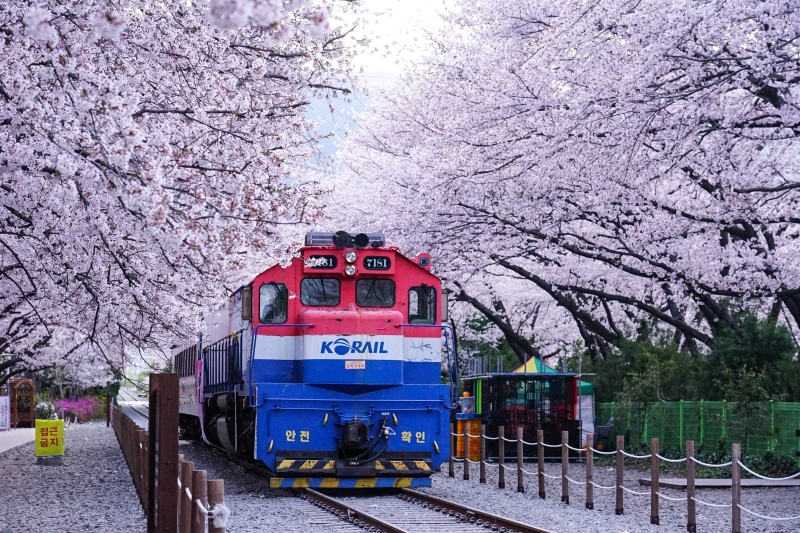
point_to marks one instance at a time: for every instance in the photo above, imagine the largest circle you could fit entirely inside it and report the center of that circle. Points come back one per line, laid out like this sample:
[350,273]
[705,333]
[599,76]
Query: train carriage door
[241,316]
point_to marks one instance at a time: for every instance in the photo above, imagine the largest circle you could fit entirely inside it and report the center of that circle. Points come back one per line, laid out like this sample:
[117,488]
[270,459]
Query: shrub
[83,409]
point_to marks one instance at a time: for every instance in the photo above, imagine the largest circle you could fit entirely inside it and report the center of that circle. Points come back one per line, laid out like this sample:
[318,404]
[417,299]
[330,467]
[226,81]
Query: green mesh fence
[761,428]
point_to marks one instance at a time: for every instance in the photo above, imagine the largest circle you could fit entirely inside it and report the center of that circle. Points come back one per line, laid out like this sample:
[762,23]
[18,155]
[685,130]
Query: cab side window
[273,303]
[422,305]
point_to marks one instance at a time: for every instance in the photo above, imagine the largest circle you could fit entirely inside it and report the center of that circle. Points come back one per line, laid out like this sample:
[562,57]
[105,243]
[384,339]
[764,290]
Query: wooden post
[483,454]
[162,516]
[520,459]
[187,468]
[540,461]
[655,469]
[691,505]
[199,488]
[465,429]
[501,447]
[108,409]
[216,494]
[452,471]
[564,467]
[736,489]
[618,509]
[179,484]
[589,471]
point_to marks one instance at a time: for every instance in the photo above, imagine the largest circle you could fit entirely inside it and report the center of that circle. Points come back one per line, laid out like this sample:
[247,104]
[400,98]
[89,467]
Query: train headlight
[350,257]
[350,270]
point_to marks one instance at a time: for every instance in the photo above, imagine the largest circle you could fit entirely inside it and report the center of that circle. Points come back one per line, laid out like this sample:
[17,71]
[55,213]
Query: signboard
[49,438]
[5,412]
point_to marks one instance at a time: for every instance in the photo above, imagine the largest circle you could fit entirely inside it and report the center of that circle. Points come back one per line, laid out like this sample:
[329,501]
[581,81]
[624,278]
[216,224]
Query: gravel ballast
[558,517]
[92,492]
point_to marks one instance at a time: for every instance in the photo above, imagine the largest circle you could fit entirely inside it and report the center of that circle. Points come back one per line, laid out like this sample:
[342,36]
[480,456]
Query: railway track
[133,406]
[401,511]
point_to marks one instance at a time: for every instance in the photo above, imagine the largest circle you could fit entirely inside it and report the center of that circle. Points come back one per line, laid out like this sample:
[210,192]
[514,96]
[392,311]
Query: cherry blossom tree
[628,159]
[150,161]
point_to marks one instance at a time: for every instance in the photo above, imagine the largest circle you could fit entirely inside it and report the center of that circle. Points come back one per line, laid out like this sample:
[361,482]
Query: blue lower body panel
[302,421]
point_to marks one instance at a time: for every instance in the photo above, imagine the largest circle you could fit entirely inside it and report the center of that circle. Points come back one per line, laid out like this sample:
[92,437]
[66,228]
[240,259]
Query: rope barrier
[458,460]
[457,434]
[491,464]
[768,478]
[551,445]
[509,440]
[574,449]
[530,443]
[775,518]
[470,435]
[602,452]
[721,465]
[574,481]
[188,492]
[180,485]
[633,491]
[490,438]
[672,499]
[529,473]
[219,514]
[473,462]
[671,460]
[612,487]
[711,504]
[626,454]
[551,477]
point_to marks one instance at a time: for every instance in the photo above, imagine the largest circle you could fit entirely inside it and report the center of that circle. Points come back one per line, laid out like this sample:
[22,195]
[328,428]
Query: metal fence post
[655,469]
[736,488]
[619,509]
[540,461]
[691,506]
[452,470]
[589,471]
[520,458]
[501,447]
[564,467]
[483,454]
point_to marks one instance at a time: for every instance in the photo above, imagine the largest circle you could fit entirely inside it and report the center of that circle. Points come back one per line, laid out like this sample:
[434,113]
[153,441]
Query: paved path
[15,437]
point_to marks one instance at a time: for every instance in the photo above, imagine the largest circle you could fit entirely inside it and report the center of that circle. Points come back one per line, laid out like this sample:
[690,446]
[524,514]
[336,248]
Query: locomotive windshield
[375,292]
[273,303]
[319,291]
[422,305]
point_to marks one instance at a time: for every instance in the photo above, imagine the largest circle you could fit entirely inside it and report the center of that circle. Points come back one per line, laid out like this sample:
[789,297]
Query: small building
[546,401]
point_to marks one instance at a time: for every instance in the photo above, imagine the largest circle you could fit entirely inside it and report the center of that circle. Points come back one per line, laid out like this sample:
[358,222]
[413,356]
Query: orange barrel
[473,427]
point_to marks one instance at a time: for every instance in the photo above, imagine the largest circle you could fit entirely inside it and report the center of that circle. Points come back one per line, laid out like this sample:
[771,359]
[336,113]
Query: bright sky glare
[397,27]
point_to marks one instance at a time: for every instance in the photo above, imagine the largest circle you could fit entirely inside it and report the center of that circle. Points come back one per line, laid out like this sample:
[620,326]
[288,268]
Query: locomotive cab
[332,373]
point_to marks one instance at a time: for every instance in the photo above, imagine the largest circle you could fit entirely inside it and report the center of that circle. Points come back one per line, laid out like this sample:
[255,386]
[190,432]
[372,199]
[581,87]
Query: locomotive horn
[361,240]
[342,239]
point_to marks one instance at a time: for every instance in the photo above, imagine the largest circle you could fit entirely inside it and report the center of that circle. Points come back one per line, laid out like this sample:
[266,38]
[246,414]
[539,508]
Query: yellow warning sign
[49,438]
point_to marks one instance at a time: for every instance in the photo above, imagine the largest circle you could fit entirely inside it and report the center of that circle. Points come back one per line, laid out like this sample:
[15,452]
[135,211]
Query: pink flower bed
[83,409]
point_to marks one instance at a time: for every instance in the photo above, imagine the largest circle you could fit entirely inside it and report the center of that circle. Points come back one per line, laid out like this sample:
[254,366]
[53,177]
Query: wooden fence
[655,467]
[175,497]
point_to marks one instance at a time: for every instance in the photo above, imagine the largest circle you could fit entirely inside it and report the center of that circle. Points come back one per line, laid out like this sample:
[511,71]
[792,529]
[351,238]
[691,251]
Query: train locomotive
[330,373]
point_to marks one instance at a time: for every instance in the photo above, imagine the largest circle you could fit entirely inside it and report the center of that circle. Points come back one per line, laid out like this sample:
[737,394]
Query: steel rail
[345,512]
[469,514]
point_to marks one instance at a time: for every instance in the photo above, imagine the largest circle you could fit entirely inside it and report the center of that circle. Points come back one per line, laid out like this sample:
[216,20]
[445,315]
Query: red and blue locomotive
[331,373]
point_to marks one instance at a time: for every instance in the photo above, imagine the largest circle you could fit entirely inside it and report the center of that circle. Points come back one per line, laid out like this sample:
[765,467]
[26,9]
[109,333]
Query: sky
[395,27]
